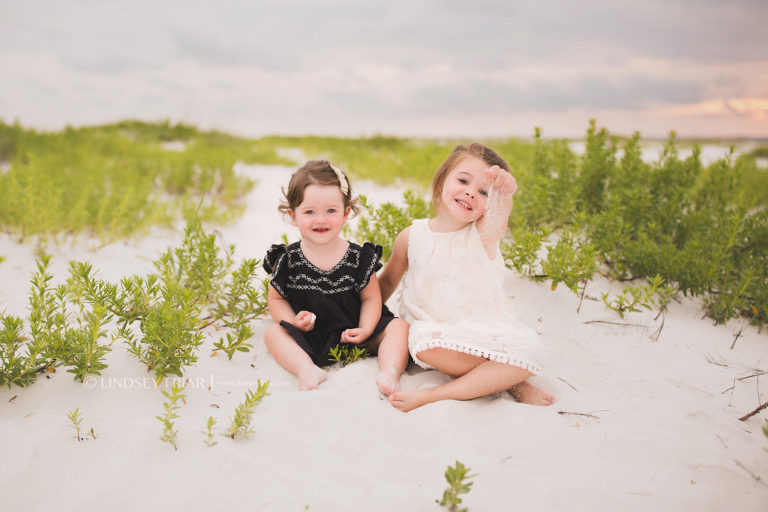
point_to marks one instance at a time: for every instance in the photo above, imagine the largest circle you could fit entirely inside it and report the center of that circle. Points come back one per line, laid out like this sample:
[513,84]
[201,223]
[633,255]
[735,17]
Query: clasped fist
[304,321]
[356,335]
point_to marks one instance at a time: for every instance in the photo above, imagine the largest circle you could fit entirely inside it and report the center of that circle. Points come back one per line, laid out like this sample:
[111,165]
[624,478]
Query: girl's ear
[346,212]
[292,215]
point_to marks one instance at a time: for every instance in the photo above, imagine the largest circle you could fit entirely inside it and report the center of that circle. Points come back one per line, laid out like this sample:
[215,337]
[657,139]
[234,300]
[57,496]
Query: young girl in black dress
[324,290]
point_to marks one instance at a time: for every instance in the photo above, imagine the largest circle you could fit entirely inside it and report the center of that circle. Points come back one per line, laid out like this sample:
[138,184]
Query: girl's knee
[397,325]
[272,333]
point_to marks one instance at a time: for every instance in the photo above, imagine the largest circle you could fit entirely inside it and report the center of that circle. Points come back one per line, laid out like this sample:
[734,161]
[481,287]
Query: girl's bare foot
[527,393]
[387,381]
[408,400]
[311,377]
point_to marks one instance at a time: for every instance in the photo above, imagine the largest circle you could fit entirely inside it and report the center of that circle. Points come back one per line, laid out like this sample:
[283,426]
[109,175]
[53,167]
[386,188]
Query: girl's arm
[396,266]
[494,224]
[280,309]
[370,313]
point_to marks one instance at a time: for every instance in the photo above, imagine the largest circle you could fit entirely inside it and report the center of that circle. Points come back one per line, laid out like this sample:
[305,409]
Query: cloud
[391,63]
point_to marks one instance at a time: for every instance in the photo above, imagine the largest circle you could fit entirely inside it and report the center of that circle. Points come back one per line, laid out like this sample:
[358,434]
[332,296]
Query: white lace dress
[453,298]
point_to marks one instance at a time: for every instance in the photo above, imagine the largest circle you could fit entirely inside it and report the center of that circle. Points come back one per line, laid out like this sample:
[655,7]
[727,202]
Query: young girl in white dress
[460,321]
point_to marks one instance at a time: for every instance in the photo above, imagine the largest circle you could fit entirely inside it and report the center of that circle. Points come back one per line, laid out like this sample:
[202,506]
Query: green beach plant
[241,421]
[117,180]
[171,405]
[209,438]
[345,353]
[571,260]
[75,419]
[457,477]
[14,364]
[521,253]
[702,229]
[633,298]
[381,224]
[161,316]
[241,303]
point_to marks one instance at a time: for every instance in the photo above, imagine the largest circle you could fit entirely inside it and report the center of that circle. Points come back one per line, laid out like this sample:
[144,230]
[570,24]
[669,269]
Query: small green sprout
[76,419]
[455,476]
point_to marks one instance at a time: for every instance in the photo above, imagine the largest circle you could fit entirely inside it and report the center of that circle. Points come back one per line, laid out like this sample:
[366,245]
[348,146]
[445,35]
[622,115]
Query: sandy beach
[639,424]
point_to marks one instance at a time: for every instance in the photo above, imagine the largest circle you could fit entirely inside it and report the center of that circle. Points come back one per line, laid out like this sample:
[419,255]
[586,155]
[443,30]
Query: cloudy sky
[355,67]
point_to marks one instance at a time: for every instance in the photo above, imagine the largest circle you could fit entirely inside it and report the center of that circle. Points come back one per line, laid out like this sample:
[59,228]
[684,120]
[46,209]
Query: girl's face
[465,190]
[321,215]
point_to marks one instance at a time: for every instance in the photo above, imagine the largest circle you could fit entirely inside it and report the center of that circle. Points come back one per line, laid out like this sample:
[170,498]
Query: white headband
[343,183]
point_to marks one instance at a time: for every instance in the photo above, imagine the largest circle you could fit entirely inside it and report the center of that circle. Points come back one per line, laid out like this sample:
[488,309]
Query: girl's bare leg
[476,377]
[291,357]
[391,349]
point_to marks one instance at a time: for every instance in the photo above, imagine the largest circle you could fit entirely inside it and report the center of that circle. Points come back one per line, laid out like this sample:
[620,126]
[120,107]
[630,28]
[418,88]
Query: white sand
[665,436]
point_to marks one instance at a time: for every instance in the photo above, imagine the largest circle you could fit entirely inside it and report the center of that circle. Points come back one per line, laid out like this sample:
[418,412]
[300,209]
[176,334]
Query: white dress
[453,298]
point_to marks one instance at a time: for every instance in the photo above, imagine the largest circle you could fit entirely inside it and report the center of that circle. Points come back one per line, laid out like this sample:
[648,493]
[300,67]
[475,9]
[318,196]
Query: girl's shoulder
[365,259]
[276,253]
[418,227]
[363,255]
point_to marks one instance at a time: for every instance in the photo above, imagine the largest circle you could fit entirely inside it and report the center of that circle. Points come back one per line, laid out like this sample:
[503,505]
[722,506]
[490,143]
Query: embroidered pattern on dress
[331,286]
[344,261]
[304,275]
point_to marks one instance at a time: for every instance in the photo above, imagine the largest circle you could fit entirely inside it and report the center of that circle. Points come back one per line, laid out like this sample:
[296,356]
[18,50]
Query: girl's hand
[356,335]
[493,225]
[304,321]
[503,185]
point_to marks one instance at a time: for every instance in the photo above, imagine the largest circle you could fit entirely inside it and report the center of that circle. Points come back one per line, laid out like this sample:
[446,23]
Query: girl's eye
[484,193]
[309,212]
[332,210]
[463,181]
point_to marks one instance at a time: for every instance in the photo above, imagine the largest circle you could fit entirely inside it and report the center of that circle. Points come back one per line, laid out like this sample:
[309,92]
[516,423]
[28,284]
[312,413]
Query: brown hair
[460,152]
[314,172]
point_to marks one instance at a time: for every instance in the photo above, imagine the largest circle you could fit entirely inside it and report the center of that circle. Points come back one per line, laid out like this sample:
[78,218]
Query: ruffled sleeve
[369,263]
[276,263]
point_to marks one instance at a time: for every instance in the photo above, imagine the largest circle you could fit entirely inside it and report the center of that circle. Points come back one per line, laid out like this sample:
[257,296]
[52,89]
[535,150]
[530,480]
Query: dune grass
[117,180]
[385,160]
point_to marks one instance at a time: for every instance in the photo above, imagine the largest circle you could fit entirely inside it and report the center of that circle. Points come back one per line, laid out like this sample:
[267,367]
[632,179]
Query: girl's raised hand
[503,184]
[494,223]
[304,321]
[356,335]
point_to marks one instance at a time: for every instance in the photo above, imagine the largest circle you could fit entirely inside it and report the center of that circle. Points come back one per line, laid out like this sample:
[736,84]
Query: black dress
[332,295]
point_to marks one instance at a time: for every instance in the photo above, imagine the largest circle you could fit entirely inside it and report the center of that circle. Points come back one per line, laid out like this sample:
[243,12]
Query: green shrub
[117,180]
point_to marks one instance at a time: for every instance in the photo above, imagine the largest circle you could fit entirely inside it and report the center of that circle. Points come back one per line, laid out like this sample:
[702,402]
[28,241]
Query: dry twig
[655,334]
[712,361]
[574,387]
[759,373]
[581,299]
[585,414]
[621,324]
[738,335]
[750,414]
